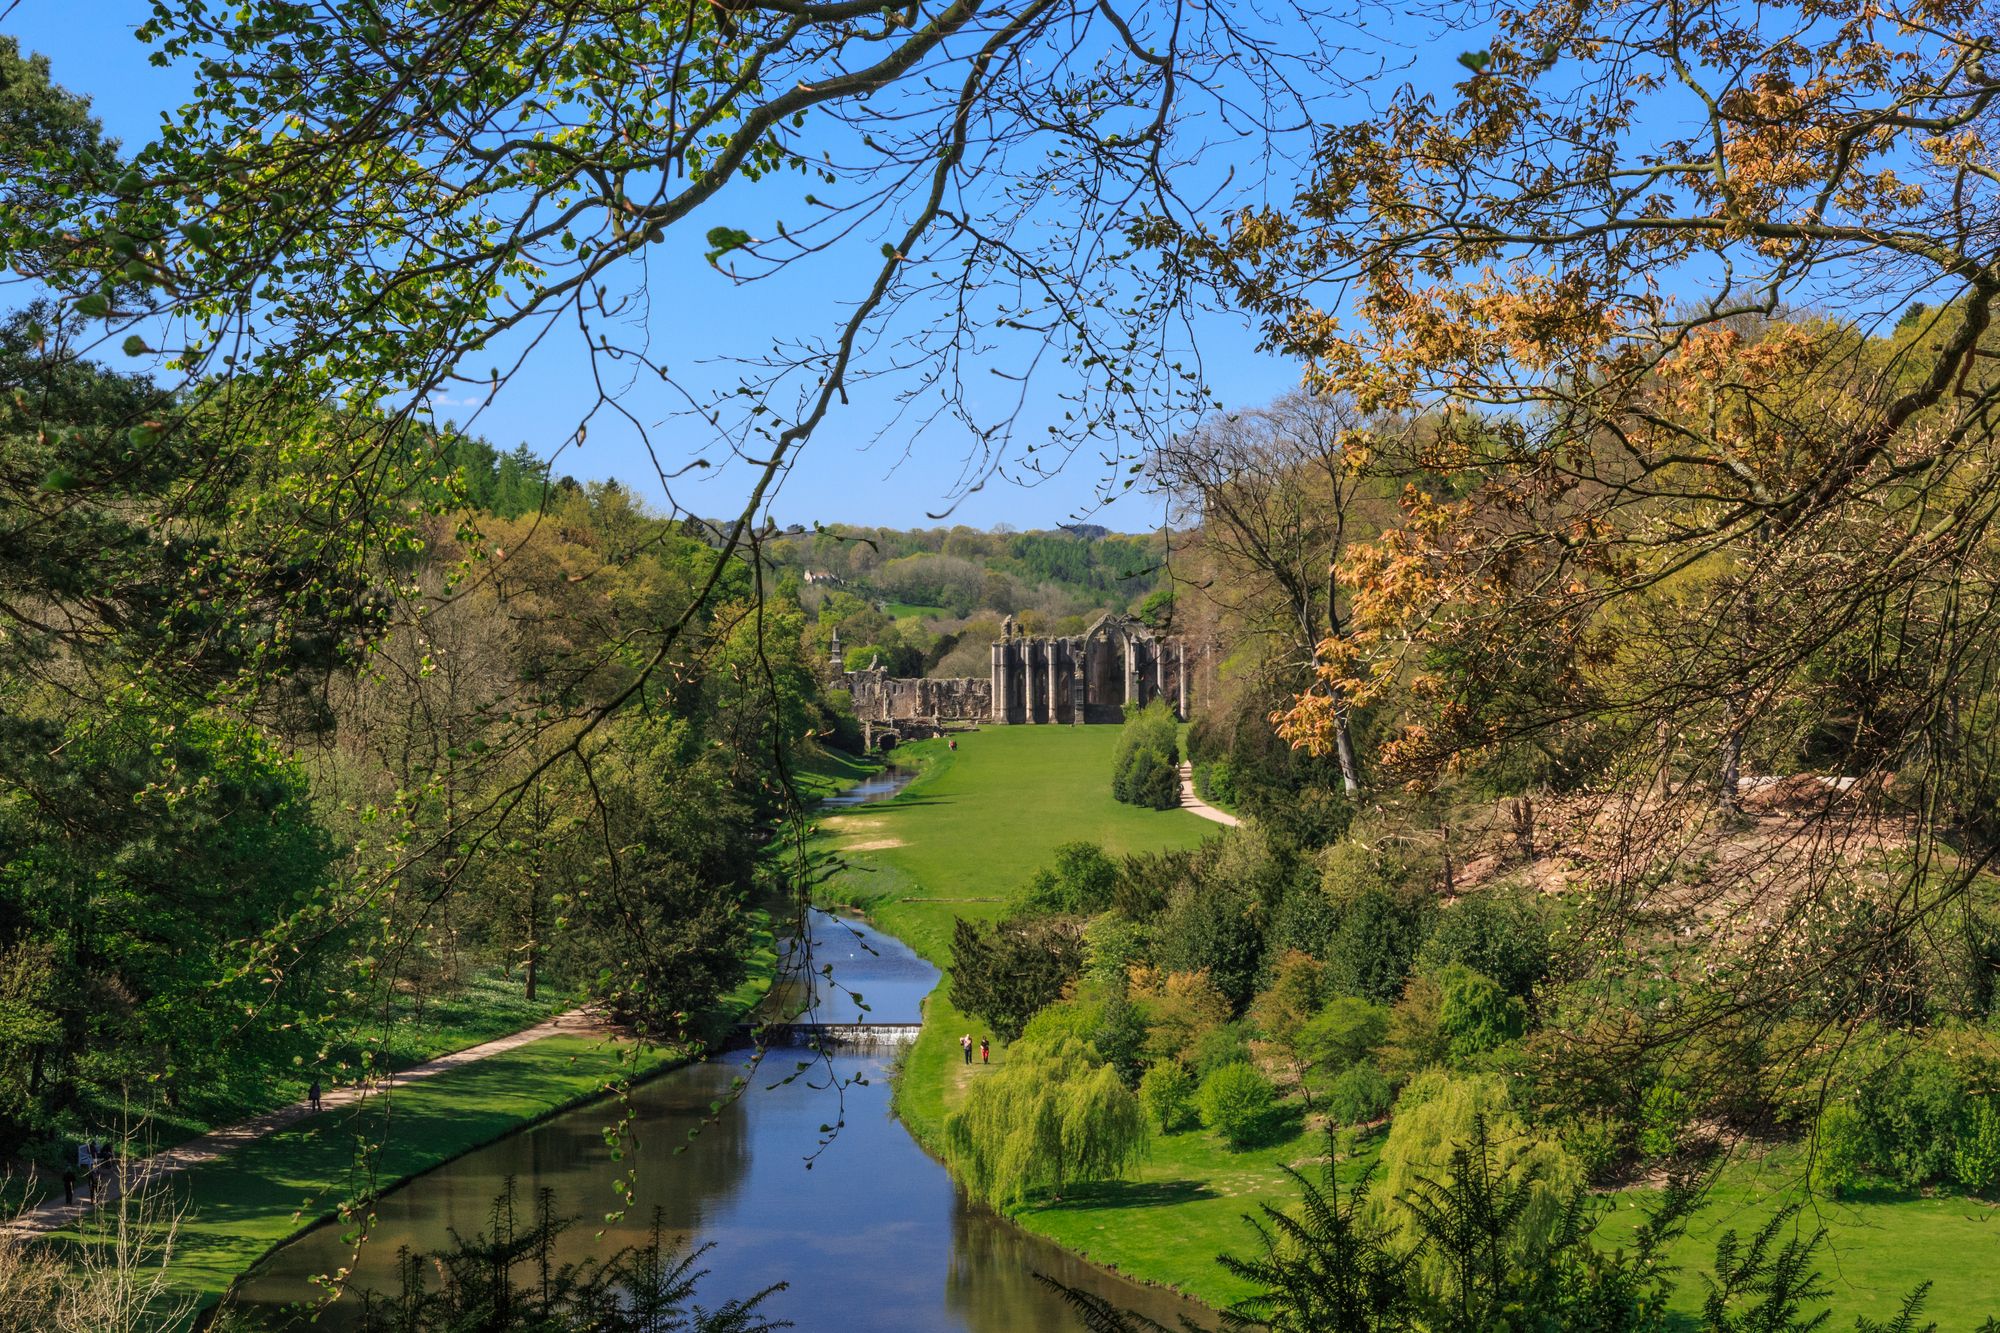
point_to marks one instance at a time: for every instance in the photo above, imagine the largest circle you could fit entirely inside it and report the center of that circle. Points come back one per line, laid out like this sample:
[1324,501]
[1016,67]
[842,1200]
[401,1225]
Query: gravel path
[1194,805]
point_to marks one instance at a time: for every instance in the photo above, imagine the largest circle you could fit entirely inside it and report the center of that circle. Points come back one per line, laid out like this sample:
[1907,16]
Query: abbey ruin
[1073,679]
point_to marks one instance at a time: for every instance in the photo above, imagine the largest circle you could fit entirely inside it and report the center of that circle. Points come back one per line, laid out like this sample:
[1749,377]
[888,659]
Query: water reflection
[873,1235]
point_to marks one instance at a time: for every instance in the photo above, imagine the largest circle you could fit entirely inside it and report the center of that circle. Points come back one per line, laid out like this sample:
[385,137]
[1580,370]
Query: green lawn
[1876,1250]
[913,611]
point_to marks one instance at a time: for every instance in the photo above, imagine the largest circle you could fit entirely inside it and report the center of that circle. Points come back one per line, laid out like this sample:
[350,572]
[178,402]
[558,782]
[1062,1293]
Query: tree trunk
[1726,797]
[1343,746]
[1343,735]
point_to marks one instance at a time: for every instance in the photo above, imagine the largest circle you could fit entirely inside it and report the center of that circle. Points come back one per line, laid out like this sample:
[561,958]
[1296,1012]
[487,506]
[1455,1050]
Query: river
[873,1236]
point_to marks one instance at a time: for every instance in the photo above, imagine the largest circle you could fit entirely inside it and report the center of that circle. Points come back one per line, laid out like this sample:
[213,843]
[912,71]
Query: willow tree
[1050,1116]
[1703,296]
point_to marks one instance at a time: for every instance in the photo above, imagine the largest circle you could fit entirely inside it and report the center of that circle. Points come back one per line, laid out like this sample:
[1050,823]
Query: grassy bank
[271,1189]
[1877,1248]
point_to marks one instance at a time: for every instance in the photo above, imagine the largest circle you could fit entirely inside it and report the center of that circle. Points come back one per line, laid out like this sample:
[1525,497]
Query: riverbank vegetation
[1331,990]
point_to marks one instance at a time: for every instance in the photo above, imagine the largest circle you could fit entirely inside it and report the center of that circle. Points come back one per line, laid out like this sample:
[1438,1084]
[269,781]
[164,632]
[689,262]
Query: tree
[1146,769]
[144,854]
[1346,1032]
[1503,938]
[1079,883]
[1377,941]
[1006,972]
[1273,497]
[1692,466]
[50,145]
[1474,1014]
[1284,1009]
[1166,1091]
[1440,1117]
[1051,1117]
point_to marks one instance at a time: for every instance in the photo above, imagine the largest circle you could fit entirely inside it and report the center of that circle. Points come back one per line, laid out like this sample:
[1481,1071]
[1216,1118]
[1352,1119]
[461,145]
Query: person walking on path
[985,1051]
[312,1094]
[965,1044]
[69,1184]
[86,1167]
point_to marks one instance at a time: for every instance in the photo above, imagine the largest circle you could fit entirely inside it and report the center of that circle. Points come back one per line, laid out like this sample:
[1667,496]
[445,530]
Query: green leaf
[724,239]
[96,304]
[143,437]
[1475,60]
[136,346]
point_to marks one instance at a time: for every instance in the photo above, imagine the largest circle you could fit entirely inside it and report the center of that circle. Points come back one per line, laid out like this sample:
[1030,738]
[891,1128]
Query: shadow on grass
[1129,1194]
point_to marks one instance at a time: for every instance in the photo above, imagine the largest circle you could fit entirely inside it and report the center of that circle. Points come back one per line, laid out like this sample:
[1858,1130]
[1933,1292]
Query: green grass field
[913,611]
[1876,1250]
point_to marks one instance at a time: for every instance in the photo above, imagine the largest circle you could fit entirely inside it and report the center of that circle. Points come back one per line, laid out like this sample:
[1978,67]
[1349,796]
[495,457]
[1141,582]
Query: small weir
[822,1035]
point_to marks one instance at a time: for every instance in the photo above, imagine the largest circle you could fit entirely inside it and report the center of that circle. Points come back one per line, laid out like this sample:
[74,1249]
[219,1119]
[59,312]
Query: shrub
[1359,1094]
[1664,1115]
[1236,1102]
[1474,1014]
[1215,783]
[1499,937]
[1146,769]
[1840,1150]
[1216,1047]
[1917,1117]
[1167,1092]
[1005,973]
[1975,1161]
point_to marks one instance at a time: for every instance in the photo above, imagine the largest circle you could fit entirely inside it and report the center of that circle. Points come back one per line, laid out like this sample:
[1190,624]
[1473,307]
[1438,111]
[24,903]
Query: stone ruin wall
[880,697]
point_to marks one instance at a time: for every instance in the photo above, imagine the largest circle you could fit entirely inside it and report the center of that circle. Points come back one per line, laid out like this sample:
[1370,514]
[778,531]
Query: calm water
[873,1236]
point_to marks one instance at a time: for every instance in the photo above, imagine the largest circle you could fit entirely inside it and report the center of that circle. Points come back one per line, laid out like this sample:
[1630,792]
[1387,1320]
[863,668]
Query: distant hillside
[931,599]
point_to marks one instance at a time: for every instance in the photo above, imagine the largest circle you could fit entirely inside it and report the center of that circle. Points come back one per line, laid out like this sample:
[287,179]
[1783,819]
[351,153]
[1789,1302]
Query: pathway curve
[219,1143]
[1194,805]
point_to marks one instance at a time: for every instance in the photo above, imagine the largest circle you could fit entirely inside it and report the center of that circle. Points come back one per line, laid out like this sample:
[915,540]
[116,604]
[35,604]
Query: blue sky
[862,466]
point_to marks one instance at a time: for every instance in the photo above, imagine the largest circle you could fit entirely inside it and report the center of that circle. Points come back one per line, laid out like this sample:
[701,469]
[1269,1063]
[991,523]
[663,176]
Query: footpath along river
[874,1236]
